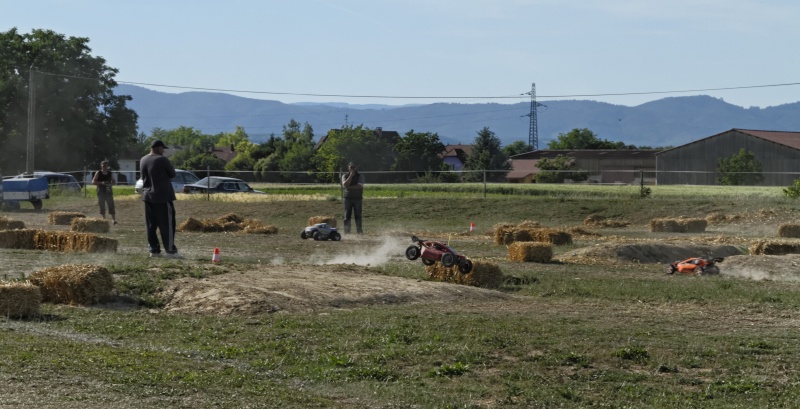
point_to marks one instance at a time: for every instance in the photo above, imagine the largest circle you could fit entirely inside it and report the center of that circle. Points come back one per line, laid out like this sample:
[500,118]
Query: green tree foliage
[557,169]
[352,143]
[793,191]
[516,147]
[741,168]
[584,139]
[201,162]
[486,155]
[79,120]
[186,143]
[418,153]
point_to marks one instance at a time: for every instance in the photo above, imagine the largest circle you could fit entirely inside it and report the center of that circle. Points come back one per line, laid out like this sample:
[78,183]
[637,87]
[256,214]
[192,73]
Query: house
[456,155]
[603,165]
[696,163]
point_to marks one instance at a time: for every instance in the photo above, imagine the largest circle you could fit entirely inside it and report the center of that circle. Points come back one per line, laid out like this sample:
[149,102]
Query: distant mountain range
[665,122]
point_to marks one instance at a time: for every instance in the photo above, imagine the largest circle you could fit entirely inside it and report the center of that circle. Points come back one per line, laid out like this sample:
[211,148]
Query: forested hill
[668,121]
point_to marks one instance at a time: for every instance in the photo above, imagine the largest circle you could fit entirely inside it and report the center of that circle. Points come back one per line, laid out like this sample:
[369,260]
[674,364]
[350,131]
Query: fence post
[85,188]
[484,183]
[208,183]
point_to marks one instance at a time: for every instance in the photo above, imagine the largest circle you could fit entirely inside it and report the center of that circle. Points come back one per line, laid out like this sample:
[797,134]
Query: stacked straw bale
[68,241]
[63,218]
[73,284]
[600,221]
[774,248]
[17,239]
[90,225]
[8,224]
[679,225]
[227,223]
[506,233]
[330,220]
[789,230]
[19,299]
[530,251]
[484,274]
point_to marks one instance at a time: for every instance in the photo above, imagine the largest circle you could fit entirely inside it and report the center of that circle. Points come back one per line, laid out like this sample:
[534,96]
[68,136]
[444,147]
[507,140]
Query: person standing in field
[104,181]
[159,197]
[353,184]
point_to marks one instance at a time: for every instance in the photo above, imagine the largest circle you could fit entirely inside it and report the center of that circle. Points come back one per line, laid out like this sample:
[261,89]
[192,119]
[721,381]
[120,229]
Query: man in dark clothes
[104,180]
[158,197]
[353,184]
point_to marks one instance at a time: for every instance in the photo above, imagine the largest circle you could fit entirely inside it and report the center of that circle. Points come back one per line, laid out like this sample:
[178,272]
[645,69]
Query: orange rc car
[696,266]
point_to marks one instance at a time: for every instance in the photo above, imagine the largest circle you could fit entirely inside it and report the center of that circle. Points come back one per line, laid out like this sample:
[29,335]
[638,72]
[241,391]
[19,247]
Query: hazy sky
[439,49]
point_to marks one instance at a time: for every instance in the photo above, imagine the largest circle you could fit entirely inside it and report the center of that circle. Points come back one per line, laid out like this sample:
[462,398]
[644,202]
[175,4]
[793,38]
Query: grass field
[565,335]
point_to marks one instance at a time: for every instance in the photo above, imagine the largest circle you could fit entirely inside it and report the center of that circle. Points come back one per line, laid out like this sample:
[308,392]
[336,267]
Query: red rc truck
[696,266]
[433,251]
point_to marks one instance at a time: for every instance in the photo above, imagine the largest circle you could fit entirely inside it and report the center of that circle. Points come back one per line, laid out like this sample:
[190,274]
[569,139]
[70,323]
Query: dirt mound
[762,267]
[309,288]
[605,253]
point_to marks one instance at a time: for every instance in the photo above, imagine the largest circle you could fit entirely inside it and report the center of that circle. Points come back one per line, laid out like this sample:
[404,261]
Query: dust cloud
[363,254]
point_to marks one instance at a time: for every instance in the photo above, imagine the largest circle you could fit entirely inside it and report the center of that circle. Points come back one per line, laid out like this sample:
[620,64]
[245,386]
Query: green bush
[793,191]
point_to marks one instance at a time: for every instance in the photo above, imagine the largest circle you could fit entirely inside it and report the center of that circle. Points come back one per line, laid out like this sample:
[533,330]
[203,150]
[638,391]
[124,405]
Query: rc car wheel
[710,270]
[448,259]
[315,235]
[303,235]
[670,269]
[428,262]
[412,252]
[335,236]
[37,204]
[465,266]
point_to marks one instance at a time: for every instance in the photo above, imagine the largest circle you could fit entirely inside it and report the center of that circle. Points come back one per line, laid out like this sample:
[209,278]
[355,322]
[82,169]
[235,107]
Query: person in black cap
[159,198]
[353,184]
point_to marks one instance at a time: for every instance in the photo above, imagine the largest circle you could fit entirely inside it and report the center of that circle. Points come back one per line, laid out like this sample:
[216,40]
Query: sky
[624,52]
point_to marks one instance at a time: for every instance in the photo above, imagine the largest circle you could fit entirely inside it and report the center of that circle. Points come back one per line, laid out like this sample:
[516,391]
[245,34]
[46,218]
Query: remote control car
[433,251]
[696,266]
[321,231]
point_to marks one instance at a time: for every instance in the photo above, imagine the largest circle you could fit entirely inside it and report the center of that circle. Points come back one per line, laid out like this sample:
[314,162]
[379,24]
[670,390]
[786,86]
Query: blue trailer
[29,189]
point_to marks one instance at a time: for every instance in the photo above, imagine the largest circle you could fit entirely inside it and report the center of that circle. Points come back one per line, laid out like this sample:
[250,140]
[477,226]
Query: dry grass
[600,221]
[74,284]
[227,223]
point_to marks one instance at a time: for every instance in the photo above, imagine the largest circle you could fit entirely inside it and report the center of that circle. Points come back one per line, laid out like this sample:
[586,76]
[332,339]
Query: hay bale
[600,221]
[252,226]
[789,230]
[63,218]
[484,274]
[68,241]
[528,224]
[679,225]
[17,239]
[530,251]
[230,218]
[503,233]
[76,284]
[774,248]
[190,224]
[322,219]
[8,224]
[90,225]
[556,237]
[19,299]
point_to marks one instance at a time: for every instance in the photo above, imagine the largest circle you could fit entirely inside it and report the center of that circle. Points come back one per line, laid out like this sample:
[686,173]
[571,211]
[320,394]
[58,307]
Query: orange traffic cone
[471,227]
[215,257]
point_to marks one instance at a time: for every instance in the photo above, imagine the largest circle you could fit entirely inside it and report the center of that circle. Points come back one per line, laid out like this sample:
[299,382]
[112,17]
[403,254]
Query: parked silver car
[182,177]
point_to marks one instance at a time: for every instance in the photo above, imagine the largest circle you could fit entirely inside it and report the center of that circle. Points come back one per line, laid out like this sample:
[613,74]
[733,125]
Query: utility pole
[31,121]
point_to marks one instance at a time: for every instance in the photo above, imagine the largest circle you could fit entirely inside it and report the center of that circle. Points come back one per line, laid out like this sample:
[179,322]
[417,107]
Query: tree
[584,139]
[486,155]
[741,168]
[79,120]
[418,152]
[352,143]
[557,169]
[516,147]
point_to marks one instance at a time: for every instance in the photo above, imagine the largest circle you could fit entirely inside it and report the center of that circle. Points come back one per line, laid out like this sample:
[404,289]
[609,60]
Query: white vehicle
[182,177]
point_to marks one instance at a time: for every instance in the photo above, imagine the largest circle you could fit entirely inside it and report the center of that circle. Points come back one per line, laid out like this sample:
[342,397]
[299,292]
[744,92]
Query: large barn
[696,163]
